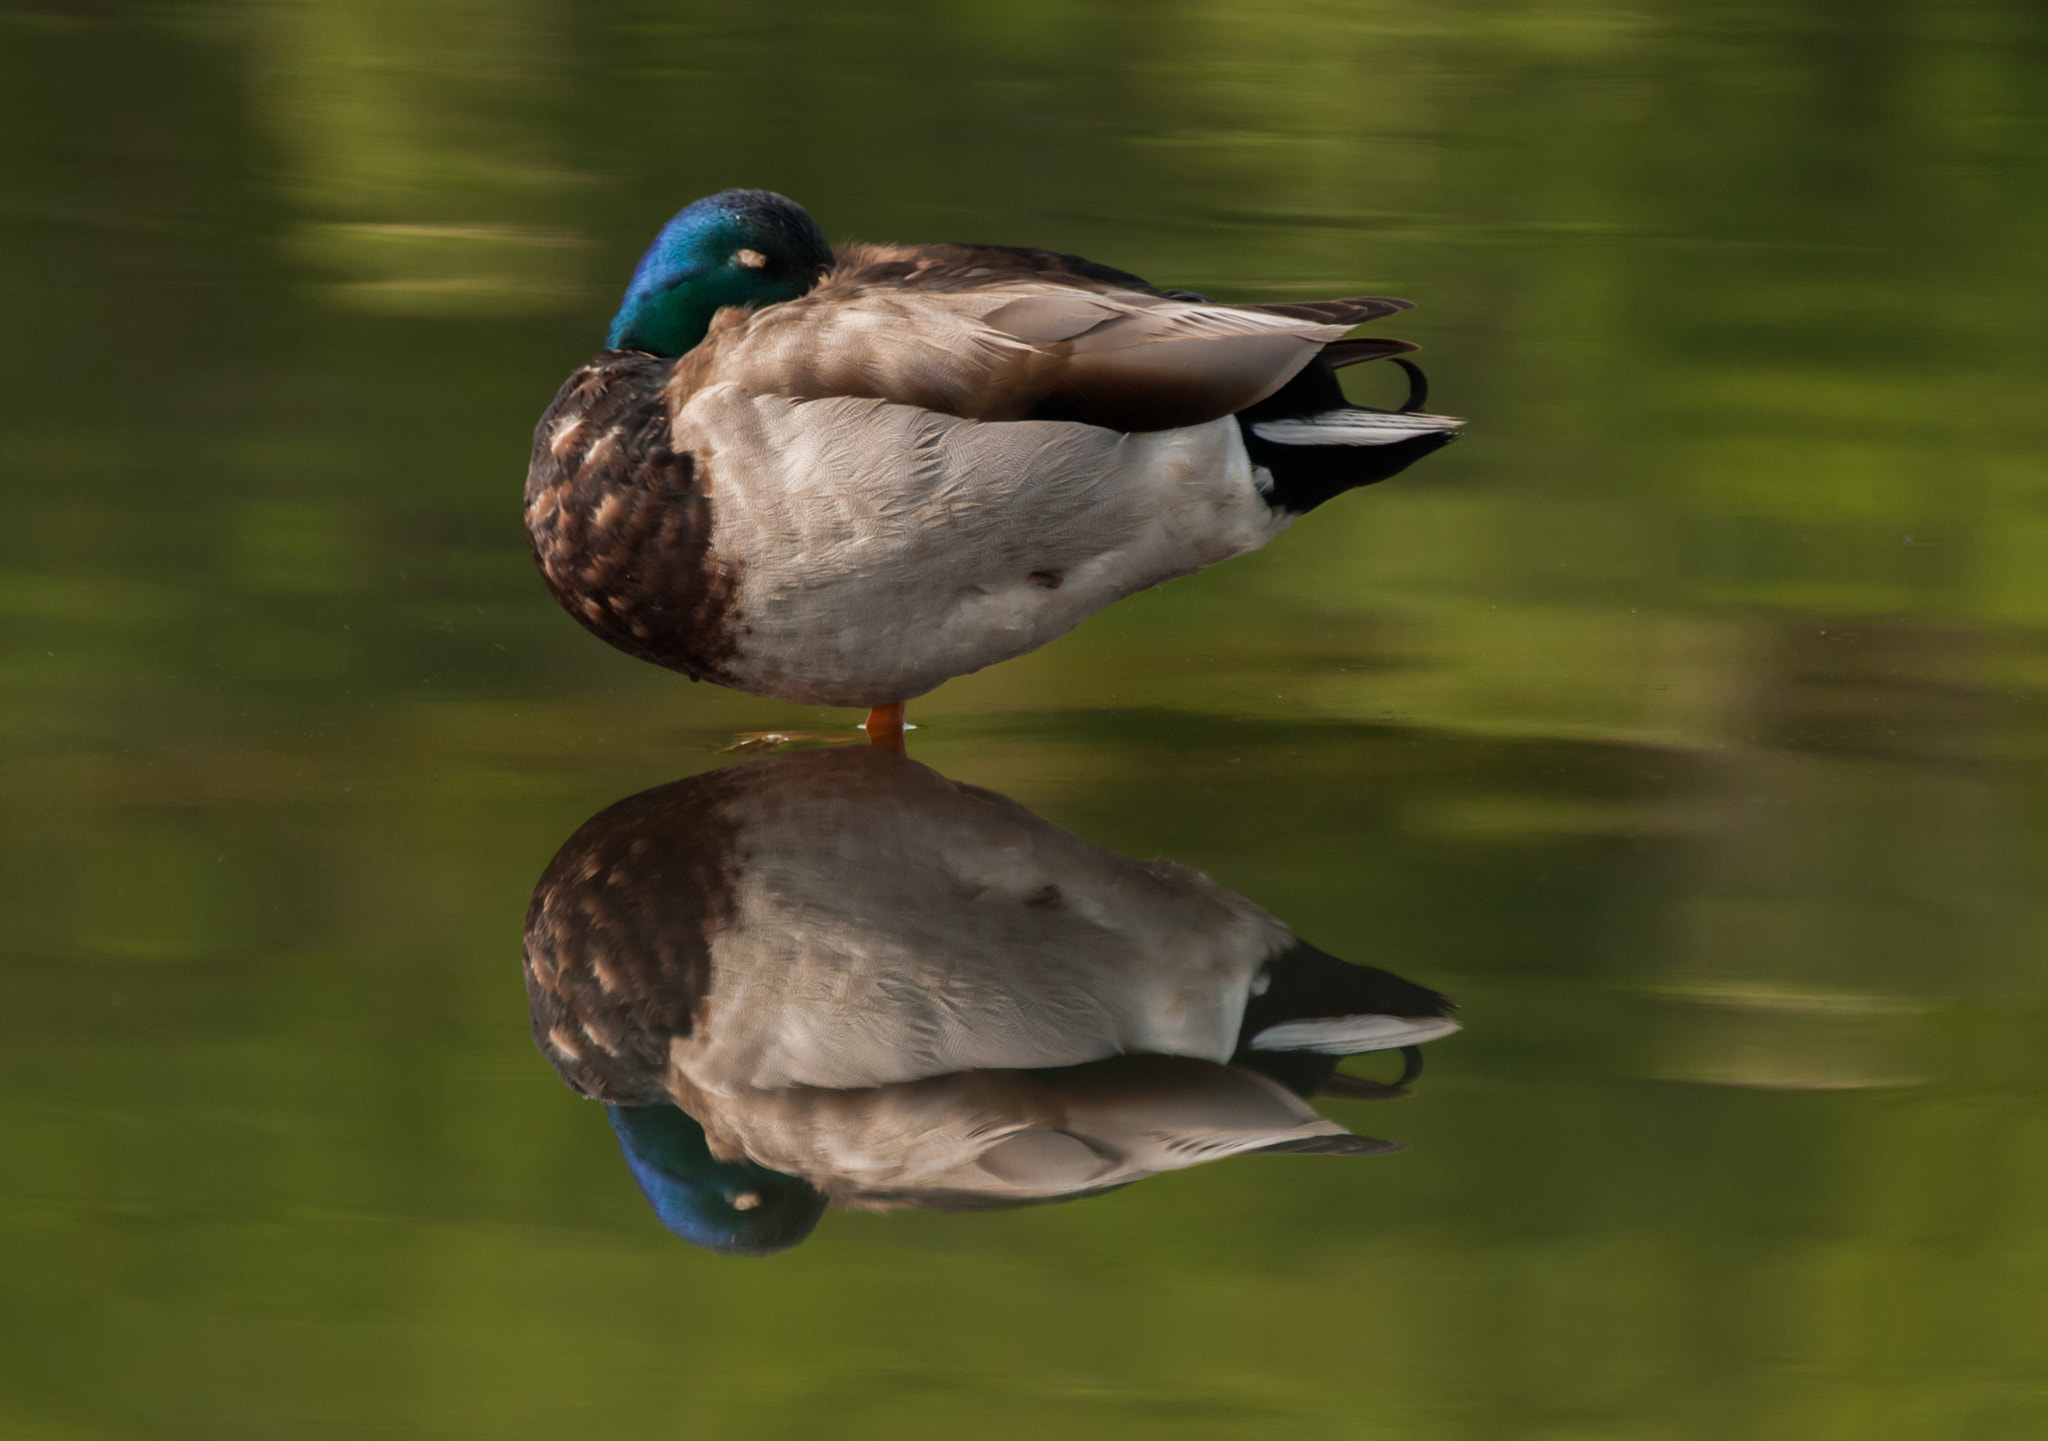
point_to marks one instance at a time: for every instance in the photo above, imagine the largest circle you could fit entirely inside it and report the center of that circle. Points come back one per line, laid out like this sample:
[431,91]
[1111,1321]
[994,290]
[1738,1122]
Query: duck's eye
[752,259]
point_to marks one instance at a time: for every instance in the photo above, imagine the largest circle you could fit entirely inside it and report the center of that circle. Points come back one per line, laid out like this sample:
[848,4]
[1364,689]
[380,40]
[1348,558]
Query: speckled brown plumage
[621,523]
[617,950]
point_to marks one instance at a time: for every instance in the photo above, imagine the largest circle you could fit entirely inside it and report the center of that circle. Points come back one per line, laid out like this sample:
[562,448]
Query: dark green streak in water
[1685,721]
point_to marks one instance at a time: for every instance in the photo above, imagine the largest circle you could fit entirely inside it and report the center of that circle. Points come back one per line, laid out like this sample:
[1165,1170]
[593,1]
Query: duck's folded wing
[1022,349]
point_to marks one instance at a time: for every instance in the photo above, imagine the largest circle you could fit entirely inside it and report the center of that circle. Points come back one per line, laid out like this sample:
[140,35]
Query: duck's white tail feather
[1353,1035]
[1355,427]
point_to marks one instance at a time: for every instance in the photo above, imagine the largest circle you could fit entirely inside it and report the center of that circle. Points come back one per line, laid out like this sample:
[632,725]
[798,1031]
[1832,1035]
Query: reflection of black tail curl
[1305,983]
[1344,1087]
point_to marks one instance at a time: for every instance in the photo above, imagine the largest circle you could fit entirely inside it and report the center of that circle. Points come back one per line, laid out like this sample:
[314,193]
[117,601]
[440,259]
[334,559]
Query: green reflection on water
[1684,721]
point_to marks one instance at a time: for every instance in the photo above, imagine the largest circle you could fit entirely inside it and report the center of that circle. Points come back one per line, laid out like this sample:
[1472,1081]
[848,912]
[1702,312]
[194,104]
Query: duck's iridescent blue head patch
[733,1207]
[739,247]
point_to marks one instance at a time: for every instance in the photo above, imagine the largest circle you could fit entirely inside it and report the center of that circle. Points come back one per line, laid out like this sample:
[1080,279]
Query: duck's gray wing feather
[1125,359]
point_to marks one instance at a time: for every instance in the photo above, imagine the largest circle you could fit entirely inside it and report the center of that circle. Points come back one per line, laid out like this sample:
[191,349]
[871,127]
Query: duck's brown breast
[620,522]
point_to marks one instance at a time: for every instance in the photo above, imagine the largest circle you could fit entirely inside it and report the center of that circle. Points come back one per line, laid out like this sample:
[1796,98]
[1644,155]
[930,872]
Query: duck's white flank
[881,549]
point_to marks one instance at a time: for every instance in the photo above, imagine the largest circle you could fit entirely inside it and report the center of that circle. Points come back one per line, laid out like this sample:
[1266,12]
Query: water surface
[1685,722]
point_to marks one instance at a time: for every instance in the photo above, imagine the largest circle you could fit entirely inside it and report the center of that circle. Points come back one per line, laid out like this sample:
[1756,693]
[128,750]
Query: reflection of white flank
[895,926]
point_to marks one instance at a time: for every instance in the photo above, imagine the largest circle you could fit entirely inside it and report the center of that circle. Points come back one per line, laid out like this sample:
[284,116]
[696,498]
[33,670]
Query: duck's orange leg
[885,727]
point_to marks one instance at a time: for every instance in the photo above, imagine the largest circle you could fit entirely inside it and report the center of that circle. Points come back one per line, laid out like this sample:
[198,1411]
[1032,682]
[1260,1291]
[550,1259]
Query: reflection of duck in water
[871,985]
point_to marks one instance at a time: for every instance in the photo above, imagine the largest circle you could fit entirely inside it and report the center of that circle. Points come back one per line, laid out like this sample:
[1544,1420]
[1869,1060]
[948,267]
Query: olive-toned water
[1685,722]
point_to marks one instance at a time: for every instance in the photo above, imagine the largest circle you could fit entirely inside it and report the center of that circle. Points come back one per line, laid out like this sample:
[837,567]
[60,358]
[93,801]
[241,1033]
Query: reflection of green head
[734,1207]
[739,247]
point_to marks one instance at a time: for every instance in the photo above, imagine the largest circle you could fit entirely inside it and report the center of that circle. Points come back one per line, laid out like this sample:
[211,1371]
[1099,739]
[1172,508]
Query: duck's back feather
[950,329]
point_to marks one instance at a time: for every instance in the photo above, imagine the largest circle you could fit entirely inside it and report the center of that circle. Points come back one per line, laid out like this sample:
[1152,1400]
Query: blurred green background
[1686,721]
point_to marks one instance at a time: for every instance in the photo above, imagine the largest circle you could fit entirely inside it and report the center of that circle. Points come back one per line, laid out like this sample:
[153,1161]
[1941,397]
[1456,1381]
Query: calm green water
[1686,722]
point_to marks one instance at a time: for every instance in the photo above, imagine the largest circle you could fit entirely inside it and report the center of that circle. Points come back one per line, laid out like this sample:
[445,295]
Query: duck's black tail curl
[1315,444]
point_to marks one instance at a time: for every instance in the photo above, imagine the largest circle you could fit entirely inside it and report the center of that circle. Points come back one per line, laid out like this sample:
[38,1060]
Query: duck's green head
[738,247]
[734,1207]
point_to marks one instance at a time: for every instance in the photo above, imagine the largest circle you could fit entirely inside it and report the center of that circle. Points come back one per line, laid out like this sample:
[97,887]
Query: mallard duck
[842,476]
[841,967]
